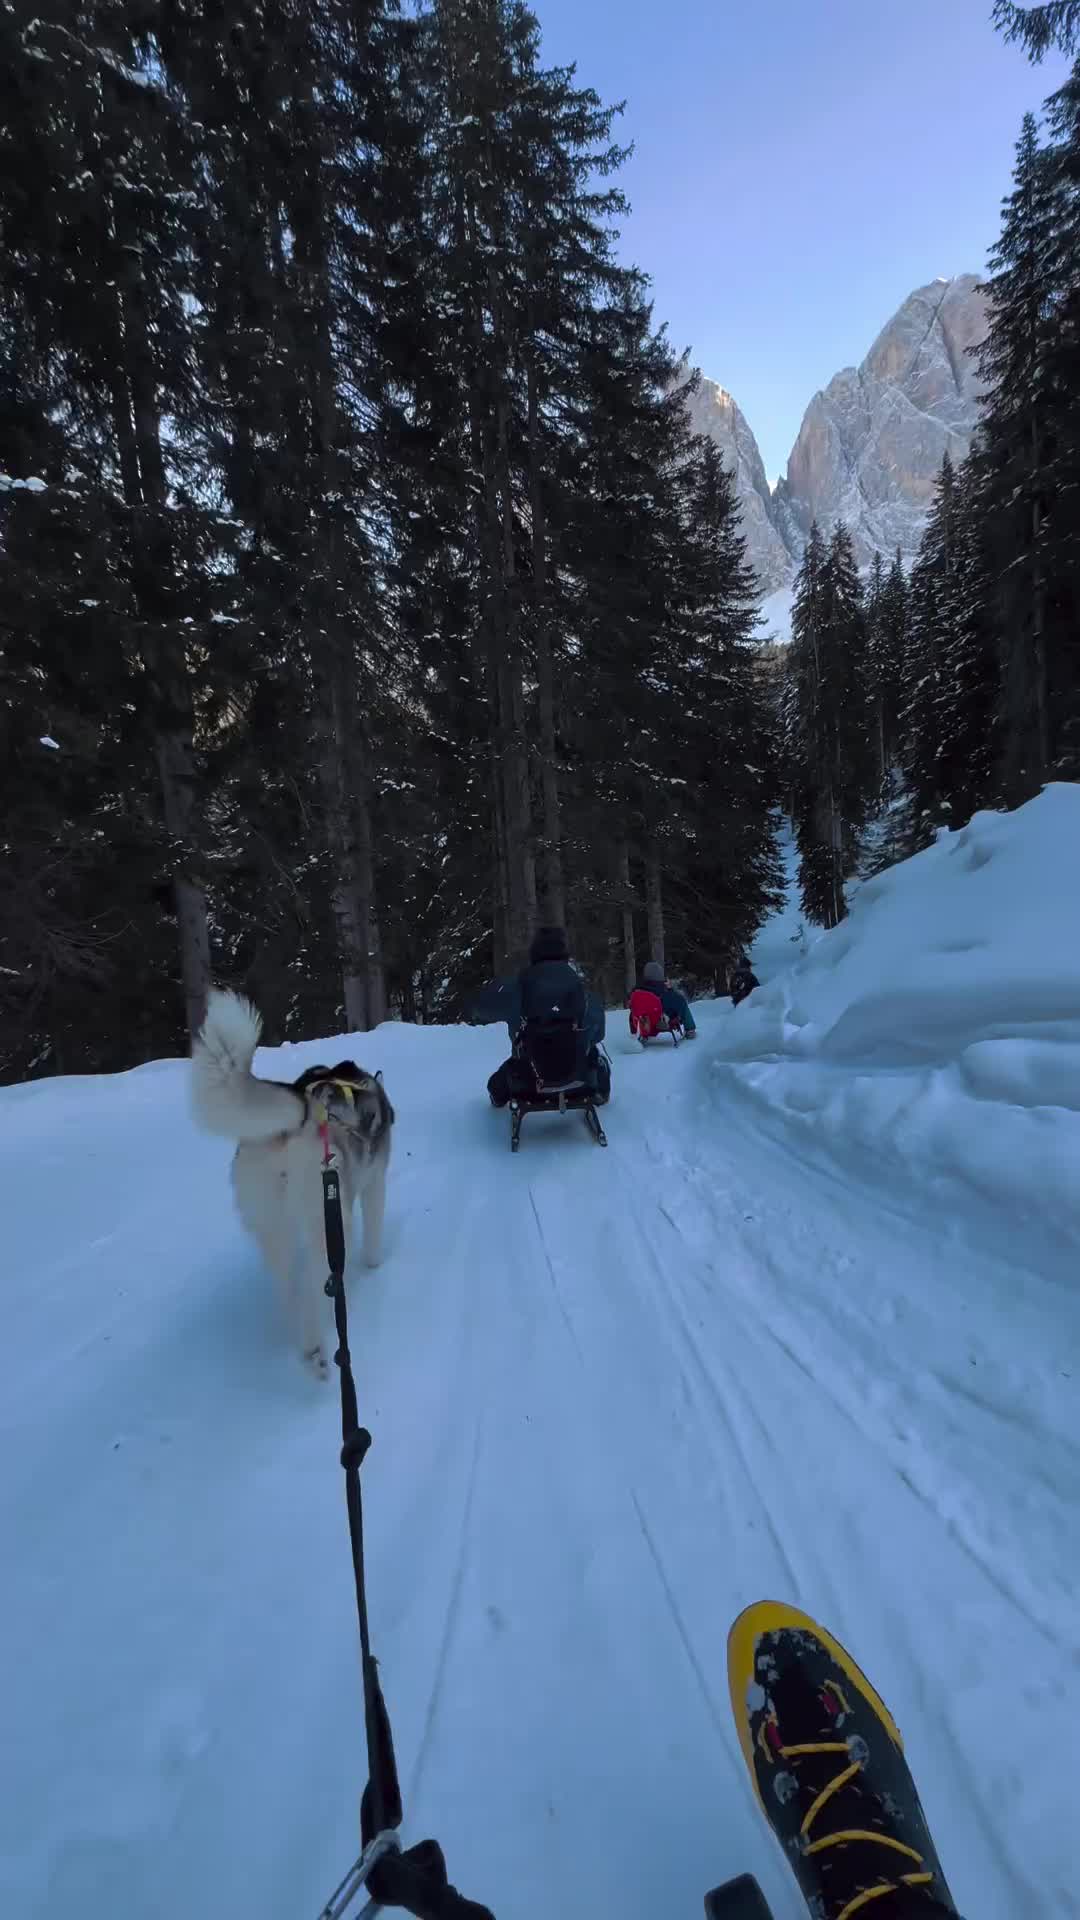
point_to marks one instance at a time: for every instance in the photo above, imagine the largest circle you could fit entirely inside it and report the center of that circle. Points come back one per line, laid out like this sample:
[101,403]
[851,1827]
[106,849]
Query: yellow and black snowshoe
[828,1766]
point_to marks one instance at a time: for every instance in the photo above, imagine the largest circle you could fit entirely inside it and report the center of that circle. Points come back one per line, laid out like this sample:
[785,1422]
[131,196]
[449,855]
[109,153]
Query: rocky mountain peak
[871,442]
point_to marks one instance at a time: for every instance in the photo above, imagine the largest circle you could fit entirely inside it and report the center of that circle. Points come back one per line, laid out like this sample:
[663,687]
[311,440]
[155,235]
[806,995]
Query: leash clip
[355,1881]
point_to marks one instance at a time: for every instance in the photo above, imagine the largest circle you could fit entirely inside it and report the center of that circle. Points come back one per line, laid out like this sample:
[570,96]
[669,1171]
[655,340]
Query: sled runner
[648,1019]
[556,1103]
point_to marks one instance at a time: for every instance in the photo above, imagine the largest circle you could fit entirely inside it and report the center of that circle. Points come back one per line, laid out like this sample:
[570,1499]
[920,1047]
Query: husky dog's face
[354,1100]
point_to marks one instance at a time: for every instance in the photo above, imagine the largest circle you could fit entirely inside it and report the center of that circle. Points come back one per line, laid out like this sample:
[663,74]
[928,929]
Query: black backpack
[551,1041]
[553,1051]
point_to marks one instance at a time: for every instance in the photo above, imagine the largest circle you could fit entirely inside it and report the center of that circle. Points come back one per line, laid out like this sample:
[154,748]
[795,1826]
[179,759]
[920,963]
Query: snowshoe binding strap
[907,1868]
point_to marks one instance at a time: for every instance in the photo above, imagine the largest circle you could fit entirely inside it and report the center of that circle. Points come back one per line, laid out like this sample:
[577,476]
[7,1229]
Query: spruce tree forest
[366,598]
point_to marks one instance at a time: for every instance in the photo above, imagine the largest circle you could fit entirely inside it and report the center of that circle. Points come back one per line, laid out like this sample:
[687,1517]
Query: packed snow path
[614,1397]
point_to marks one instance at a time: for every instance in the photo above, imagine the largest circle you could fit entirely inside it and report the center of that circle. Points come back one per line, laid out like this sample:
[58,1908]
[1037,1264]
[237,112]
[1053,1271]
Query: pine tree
[1017,456]
[952,669]
[729,878]
[964,722]
[886,624]
[100,252]
[369,580]
[832,743]
[621,545]
[1060,528]
[1028,450]
[1038,28]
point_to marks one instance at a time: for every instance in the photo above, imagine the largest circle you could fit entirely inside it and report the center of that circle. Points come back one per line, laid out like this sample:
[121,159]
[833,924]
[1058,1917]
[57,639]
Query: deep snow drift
[615,1396]
[939,1025]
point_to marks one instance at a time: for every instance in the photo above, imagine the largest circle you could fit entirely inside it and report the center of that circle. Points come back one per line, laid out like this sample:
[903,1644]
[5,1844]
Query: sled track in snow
[614,1398]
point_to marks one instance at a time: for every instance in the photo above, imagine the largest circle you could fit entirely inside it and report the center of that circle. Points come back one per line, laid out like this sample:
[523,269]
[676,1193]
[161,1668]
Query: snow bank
[940,1024]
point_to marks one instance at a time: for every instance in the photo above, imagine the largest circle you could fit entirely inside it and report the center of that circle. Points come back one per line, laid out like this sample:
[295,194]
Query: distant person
[548,988]
[675,1004]
[743,981]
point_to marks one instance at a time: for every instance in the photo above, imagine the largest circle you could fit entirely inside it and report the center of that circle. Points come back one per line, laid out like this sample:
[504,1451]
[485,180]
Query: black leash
[415,1880]
[381,1810]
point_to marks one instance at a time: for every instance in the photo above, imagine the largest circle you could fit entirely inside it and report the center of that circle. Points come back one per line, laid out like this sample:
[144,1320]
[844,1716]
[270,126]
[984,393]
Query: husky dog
[276,1171]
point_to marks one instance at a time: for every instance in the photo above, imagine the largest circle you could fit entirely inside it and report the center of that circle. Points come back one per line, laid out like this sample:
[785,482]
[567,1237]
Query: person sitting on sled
[548,985]
[674,1005]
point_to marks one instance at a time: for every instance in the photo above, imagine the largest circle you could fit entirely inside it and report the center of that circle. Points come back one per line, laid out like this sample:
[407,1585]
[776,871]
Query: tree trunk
[515,883]
[348,824]
[127,451]
[1038,621]
[137,427]
[552,896]
[521,863]
[472,47]
[836,857]
[177,773]
[654,900]
[359,791]
[627,914]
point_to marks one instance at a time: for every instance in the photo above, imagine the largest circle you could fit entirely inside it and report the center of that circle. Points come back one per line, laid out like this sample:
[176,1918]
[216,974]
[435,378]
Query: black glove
[417,1881]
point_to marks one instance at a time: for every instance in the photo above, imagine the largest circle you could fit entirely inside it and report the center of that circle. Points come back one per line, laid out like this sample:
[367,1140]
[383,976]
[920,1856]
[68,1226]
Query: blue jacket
[502,1000]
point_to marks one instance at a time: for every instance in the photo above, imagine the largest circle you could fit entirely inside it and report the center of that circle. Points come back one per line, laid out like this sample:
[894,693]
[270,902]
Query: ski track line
[1026,1603]
[719,1719]
[714,1396]
[1059,1445]
[549,1263]
[623,1486]
[453,1610]
[1025,1897]
[1025,1600]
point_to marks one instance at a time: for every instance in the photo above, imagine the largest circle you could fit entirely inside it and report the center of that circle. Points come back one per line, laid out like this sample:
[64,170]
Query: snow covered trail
[614,1397]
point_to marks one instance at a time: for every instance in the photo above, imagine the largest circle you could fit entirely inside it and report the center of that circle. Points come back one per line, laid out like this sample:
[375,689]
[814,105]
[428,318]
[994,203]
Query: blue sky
[800,166]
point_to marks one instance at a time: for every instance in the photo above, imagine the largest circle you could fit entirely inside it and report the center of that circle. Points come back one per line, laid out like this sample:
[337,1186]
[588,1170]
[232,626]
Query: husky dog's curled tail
[226,1096]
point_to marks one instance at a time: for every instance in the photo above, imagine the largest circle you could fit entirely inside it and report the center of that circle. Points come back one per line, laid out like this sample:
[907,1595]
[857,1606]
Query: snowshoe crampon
[828,1767]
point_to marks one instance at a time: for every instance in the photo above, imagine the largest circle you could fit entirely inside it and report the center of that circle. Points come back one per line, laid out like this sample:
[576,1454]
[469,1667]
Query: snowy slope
[939,1025]
[614,1397]
[776,611]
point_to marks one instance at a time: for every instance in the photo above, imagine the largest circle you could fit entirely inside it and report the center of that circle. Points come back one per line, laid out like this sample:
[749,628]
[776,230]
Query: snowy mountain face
[871,444]
[870,447]
[714,413]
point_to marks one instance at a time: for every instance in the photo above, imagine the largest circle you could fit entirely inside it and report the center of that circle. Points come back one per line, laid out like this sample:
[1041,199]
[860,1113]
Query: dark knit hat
[549,943]
[653,971]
